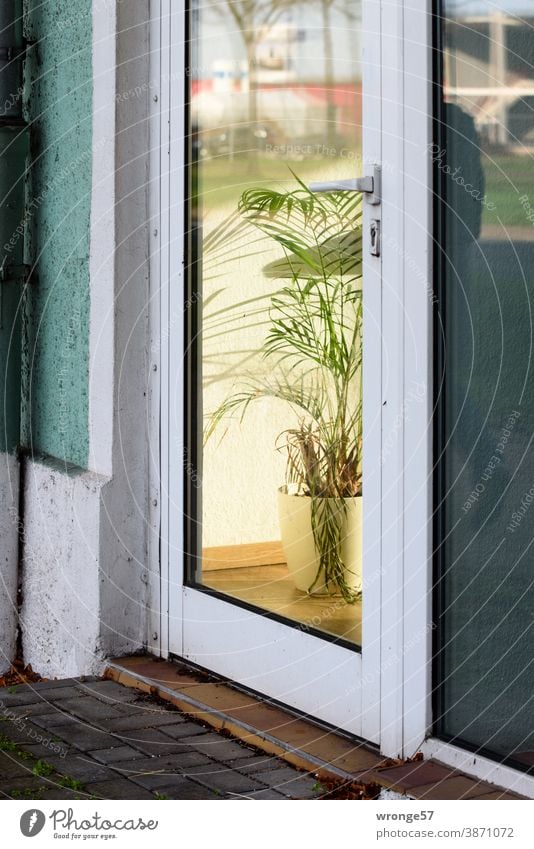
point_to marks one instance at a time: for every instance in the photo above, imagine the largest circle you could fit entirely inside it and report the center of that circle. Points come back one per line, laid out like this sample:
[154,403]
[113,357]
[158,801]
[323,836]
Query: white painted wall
[60,616]
[102,242]
[124,517]
[9,529]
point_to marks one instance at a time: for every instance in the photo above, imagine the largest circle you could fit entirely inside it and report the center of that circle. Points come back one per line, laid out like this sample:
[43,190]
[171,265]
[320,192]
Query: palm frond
[312,350]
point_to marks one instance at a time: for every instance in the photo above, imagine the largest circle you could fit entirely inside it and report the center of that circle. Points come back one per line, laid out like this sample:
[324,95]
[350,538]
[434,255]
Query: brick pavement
[92,738]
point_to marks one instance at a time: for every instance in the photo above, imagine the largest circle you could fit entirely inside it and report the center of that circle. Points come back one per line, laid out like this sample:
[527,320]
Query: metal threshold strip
[298,740]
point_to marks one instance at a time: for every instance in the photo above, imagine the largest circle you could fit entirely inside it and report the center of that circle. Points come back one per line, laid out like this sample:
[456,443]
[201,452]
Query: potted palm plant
[313,356]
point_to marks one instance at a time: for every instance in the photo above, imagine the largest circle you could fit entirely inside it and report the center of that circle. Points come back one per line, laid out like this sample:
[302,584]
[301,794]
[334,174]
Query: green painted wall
[56,349]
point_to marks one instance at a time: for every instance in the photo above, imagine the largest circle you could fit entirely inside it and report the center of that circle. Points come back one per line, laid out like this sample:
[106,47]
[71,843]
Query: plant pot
[302,560]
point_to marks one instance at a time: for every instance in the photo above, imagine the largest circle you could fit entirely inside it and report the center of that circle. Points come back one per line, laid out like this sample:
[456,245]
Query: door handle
[371,186]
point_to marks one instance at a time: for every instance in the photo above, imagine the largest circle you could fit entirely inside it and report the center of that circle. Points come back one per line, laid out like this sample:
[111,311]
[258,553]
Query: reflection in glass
[274,310]
[484,165]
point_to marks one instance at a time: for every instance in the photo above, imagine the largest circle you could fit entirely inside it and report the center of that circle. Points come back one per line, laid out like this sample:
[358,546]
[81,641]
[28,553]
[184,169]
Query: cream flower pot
[299,548]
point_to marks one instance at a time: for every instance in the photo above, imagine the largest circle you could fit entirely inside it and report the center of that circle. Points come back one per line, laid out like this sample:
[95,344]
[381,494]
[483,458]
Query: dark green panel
[13,152]
[484,166]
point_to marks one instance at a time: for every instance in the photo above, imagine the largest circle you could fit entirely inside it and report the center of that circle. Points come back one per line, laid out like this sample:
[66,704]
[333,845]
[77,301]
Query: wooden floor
[271,588]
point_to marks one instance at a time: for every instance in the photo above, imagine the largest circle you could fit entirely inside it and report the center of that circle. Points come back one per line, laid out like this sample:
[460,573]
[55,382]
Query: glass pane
[274,308]
[485,166]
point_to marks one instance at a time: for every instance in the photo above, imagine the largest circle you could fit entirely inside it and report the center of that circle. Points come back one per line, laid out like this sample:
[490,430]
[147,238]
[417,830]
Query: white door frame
[395,681]
[407,384]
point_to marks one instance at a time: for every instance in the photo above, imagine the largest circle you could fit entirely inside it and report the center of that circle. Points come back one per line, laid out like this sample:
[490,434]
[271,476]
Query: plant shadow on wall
[312,353]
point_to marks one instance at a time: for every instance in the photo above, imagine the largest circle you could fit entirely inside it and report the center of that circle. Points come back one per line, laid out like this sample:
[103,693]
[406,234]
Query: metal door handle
[370,186]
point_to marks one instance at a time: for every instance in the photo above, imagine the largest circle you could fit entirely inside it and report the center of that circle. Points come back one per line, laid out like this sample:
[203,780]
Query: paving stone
[83,737]
[109,691]
[24,795]
[185,728]
[58,694]
[25,697]
[21,711]
[135,748]
[46,695]
[12,766]
[459,787]
[404,778]
[81,768]
[19,730]
[290,783]
[188,790]
[61,794]
[118,788]
[90,709]
[115,754]
[155,781]
[62,682]
[50,720]
[41,752]
[165,764]
[151,741]
[217,747]
[143,719]
[223,779]
[267,795]
[500,794]
[48,744]
[26,733]
[259,763]
[29,783]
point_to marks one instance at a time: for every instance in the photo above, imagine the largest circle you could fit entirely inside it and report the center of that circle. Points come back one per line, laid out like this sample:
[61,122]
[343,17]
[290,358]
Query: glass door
[274,356]
[280,457]
[483,165]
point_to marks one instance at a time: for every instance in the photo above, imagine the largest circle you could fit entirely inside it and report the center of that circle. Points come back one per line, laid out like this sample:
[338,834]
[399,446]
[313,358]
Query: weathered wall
[9,497]
[84,570]
[60,617]
[60,112]
[13,153]
[9,466]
